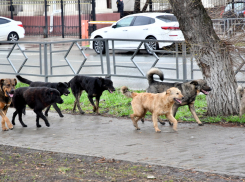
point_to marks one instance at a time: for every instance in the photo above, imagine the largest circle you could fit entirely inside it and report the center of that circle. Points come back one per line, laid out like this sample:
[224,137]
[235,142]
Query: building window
[108,4]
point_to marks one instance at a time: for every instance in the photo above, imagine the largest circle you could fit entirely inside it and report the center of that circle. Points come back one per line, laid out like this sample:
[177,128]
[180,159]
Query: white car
[157,26]
[11,30]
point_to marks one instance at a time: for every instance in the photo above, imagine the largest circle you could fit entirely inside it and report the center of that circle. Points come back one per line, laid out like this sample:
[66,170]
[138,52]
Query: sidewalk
[207,148]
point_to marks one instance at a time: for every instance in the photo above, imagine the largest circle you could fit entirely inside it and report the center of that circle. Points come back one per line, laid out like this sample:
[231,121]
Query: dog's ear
[15,82]
[100,81]
[66,84]
[168,91]
[194,82]
[1,82]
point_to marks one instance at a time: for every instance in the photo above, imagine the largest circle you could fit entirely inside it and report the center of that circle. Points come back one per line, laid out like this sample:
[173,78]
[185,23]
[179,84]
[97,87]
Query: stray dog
[157,104]
[94,86]
[37,98]
[189,89]
[62,87]
[6,93]
[240,95]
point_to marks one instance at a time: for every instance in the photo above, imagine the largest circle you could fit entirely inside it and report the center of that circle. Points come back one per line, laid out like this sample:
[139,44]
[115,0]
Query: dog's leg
[172,120]
[74,106]
[37,122]
[76,103]
[20,117]
[97,104]
[46,112]
[174,111]
[13,118]
[5,120]
[193,112]
[9,124]
[90,97]
[40,114]
[57,109]
[135,121]
[154,119]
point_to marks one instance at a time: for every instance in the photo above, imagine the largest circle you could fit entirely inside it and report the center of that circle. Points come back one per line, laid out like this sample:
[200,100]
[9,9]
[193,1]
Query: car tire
[13,36]
[153,45]
[97,47]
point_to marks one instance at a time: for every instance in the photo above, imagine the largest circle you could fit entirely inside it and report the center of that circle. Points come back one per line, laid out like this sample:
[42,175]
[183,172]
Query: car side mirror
[114,26]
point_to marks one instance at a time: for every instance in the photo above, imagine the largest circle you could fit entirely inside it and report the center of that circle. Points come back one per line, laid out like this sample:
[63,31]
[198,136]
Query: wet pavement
[207,148]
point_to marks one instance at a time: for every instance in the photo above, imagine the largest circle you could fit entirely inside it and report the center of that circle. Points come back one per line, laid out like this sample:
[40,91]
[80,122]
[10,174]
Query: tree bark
[211,54]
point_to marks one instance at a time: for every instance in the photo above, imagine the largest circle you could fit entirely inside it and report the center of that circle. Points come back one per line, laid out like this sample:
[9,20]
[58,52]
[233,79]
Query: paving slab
[207,148]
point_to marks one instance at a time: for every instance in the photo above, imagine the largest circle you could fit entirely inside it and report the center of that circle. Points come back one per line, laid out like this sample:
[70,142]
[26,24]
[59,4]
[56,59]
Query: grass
[118,105]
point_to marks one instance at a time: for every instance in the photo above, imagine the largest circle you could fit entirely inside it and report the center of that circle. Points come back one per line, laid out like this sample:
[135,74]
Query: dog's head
[175,94]
[107,84]
[63,87]
[54,95]
[201,86]
[8,86]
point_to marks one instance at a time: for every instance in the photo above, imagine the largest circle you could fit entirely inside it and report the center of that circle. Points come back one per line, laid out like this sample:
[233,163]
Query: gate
[49,18]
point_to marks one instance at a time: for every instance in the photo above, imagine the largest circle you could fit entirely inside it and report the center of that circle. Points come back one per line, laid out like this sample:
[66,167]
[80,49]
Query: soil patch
[21,164]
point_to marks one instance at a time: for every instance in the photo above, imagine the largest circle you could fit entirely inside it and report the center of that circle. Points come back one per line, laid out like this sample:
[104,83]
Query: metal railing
[47,52]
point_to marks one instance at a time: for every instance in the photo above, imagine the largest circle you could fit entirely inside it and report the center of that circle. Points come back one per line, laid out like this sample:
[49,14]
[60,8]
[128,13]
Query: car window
[237,7]
[143,20]
[125,22]
[167,18]
[3,21]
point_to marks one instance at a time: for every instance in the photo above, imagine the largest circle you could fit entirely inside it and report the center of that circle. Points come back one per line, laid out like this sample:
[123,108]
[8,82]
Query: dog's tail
[152,72]
[23,80]
[239,91]
[127,93]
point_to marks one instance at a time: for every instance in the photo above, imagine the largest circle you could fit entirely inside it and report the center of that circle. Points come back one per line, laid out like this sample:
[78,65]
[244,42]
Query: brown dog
[6,93]
[157,104]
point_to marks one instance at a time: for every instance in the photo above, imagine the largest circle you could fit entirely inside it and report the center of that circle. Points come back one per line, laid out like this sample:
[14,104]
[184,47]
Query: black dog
[94,86]
[62,87]
[37,98]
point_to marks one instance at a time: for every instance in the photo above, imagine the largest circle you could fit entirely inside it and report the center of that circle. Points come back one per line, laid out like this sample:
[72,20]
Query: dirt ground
[20,164]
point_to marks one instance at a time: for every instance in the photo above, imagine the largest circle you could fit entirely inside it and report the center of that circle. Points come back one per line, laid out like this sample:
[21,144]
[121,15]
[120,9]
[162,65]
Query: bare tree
[212,56]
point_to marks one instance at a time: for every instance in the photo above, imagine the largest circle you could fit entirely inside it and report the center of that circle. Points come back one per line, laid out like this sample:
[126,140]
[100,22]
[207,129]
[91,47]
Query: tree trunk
[211,54]
[137,6]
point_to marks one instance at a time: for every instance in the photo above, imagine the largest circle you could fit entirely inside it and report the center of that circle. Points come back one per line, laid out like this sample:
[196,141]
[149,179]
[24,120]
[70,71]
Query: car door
[4,29]
[120,31]
[139,29]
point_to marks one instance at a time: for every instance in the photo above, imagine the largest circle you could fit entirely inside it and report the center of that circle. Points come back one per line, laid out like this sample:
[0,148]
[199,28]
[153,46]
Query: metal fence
[50,18]
[15,58]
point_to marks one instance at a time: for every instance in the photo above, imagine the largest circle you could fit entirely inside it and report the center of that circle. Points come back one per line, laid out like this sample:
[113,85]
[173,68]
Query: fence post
[93,14]
[79,19]
[11,9]
[45,62]
[45,33]
[108,59]
[62,18]
[184,61]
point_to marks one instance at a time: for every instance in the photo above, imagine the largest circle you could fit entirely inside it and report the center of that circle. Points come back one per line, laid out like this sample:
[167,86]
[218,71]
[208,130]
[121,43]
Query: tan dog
[241,97]
[7,87]
[157,104]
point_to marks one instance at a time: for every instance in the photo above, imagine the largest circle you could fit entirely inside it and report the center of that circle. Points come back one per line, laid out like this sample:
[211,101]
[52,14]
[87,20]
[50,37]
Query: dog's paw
[46,114]
[13,123]
[170,124]
[24,125]
[142,120]
[39,126]
[5,129]
[82,112]
[11,128]
[61,115]
[158,131]
[47,124]
[200,124]
[162,122]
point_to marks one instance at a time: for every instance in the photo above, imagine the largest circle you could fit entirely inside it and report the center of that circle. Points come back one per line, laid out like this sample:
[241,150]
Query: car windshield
[237,7]
[167,18]
[125,22]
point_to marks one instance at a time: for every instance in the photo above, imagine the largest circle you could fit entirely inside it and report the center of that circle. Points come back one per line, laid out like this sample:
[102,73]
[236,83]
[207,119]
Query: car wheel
[98,46]
[13,36]
[152,45]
